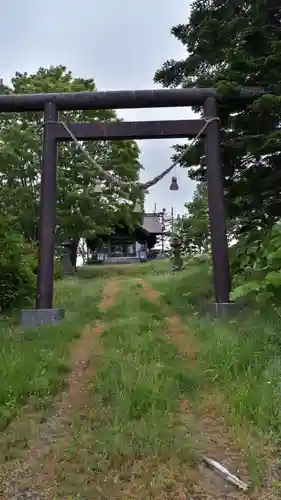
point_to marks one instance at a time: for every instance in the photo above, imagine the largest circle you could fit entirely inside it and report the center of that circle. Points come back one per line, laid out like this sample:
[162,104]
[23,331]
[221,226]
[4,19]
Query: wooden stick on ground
[226,474]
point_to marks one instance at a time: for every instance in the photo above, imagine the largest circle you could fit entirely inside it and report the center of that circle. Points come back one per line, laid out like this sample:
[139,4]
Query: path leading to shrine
[136,416]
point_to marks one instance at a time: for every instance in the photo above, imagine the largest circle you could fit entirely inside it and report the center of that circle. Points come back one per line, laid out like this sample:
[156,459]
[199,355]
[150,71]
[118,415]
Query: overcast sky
[119,43]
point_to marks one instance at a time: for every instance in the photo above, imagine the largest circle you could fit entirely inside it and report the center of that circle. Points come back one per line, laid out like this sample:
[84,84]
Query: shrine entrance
[54,131]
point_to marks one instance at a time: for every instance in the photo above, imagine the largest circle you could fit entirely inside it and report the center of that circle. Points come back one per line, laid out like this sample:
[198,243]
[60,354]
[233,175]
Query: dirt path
[43,469]
[33,476]
[214,437]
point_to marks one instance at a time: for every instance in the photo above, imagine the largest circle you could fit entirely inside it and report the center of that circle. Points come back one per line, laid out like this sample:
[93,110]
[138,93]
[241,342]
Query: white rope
[144,185]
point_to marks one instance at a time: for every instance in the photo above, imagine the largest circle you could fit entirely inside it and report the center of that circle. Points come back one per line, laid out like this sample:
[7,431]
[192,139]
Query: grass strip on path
[131,440]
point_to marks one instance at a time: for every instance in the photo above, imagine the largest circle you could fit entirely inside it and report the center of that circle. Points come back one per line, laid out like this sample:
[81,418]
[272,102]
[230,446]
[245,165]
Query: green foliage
[80,211]
[193,228]
[256,261]
[231,44]
[17,265]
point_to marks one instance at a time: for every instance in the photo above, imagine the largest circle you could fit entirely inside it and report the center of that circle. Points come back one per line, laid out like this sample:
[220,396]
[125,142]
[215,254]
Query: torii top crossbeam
[122,99]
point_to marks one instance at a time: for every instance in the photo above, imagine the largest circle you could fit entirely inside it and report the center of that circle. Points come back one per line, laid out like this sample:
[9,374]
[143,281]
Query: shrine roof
[151,224]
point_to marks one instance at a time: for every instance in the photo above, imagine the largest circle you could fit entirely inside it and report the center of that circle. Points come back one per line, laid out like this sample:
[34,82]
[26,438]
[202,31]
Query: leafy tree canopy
[232,44]
[80,211]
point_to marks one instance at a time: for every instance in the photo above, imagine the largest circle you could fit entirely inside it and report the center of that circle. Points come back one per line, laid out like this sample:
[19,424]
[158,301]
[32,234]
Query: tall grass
[34,363]
[240,356]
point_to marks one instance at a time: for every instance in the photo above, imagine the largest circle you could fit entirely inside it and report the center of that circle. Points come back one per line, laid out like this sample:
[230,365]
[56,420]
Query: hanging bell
[174,184]
[137,207]
[98,188]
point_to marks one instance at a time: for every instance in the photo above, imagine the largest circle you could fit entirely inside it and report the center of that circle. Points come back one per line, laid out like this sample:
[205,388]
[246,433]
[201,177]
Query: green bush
[256,264]
[17,266]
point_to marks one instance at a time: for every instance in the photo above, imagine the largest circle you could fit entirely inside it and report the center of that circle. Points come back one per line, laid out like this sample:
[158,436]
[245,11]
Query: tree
[80,211]
[232,44]
[193,228]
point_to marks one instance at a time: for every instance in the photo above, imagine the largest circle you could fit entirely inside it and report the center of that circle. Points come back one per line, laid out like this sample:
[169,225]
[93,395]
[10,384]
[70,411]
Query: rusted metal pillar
[48,201]
[219,245]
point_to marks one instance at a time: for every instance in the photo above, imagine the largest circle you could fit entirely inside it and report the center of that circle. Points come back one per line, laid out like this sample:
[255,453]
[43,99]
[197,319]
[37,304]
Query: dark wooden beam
[123,99]
[129,130]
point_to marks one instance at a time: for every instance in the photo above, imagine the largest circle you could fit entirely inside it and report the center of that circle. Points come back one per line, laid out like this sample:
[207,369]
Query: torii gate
[54,131]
